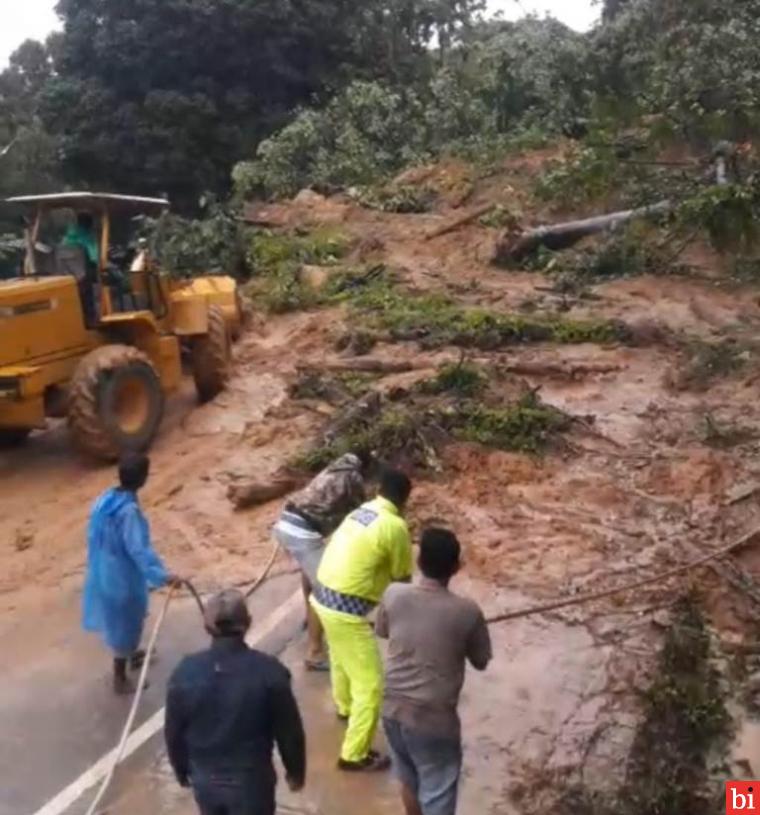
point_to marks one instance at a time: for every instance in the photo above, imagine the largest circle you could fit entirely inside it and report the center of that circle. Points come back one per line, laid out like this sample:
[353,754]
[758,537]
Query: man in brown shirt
[308,519]
[431,634]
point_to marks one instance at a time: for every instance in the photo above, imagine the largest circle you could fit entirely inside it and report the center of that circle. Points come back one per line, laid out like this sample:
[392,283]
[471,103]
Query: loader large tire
[243,316]
[116,402]
[211,356]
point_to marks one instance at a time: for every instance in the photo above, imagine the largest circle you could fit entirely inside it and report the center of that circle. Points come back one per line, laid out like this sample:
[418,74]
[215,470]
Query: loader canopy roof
[95,202]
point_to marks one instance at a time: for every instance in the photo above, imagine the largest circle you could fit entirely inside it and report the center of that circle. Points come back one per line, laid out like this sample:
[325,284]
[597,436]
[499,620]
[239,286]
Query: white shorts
[304,545]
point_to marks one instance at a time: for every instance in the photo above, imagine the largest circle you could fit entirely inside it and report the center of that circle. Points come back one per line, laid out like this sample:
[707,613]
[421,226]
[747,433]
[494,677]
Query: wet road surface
[58,716]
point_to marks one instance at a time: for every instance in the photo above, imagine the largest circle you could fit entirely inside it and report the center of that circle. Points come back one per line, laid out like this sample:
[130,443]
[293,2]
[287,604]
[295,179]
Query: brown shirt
[431,633]
[334,493]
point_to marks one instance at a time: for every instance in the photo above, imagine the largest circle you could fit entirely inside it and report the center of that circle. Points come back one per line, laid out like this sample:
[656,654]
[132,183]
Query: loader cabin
[84,252]
[97,342]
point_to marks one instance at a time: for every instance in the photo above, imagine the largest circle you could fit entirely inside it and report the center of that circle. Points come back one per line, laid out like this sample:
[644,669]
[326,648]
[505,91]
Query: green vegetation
[685,718]
[462,379]
[728,214]
[435,320]
[213,244]
[404,199]
[276,260]
[528,426]
[334,388]
[397,429]
[417,428]
[685,715]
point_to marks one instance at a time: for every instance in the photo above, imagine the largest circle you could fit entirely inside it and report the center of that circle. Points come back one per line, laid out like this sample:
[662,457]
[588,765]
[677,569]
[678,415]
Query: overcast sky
[23,19]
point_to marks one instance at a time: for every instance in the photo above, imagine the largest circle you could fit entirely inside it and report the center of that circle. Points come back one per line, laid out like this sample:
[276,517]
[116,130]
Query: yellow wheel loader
[100,345]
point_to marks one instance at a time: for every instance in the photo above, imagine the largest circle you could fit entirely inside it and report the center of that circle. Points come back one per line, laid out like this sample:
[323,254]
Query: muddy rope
[638,584]
[107,780]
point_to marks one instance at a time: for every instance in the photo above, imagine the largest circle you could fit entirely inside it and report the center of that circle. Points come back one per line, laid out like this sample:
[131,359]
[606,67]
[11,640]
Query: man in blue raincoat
[122,568]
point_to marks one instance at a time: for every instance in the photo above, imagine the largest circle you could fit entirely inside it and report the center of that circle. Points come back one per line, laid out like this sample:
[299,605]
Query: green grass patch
[417,430]
[276,260]
[462,379]
[437,321]
[405,199]
[528,426]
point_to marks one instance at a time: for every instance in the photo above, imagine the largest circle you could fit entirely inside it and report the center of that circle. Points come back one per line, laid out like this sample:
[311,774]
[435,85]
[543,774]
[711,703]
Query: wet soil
[638,486]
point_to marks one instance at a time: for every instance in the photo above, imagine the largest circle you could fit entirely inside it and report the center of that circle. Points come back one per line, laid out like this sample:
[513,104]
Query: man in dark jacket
[226,708]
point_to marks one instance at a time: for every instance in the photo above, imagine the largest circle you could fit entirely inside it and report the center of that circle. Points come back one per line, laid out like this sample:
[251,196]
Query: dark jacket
[226,708]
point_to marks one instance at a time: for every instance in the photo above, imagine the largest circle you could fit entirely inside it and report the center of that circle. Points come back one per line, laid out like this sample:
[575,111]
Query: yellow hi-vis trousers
[356,673]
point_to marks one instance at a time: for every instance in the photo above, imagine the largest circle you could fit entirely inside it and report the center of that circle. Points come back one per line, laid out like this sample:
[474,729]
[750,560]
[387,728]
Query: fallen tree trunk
[556,369]
[471,216]
[369,365]
[254,493]
[563,236]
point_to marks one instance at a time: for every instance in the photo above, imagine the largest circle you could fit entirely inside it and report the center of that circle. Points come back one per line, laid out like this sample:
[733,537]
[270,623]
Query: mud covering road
[660,465]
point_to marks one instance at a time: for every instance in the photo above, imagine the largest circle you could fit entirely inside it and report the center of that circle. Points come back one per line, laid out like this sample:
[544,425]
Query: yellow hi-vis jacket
[368,551]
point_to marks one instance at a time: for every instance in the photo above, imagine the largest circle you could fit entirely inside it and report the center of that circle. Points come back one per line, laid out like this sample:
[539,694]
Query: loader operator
[81,235]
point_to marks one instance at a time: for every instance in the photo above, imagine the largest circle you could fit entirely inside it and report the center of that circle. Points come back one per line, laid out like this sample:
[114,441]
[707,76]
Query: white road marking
[88,779]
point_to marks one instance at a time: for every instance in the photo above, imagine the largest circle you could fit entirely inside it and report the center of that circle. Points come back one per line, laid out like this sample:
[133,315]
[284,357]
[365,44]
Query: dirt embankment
[654,474]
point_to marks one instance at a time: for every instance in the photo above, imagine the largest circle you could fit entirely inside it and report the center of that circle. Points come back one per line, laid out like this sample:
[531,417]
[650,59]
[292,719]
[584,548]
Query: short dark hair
[365,459]
[439,554]
[133,471]
[85,220]
[395,486]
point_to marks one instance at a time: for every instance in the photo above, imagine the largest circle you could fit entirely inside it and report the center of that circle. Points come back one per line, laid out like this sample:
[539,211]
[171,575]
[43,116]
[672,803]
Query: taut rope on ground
[638,584]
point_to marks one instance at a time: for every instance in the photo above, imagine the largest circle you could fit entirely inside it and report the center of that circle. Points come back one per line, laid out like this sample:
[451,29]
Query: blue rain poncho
[121,568]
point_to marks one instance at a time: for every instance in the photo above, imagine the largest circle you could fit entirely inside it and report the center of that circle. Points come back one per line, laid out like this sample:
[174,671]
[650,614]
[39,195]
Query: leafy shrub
[525,427]
[435,320]
[364,133]
[185,246]
[518,80]
[404,199]
[276,260]
[729,214]
[463,379]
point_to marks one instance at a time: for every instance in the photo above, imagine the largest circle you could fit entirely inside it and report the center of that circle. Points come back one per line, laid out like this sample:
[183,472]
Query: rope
[144,671]
[601,595]
[268,568]
[135,704]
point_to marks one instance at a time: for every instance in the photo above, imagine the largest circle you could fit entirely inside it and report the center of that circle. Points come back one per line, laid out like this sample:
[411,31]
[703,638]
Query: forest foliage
[265,97]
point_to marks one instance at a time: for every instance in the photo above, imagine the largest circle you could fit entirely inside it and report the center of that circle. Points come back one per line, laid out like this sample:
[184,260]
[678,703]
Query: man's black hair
[133,471]
[365,457]
[85,220]
[395,486]
[439,554]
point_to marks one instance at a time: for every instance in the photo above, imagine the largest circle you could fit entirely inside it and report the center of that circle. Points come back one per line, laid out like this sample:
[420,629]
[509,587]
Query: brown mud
[642,484]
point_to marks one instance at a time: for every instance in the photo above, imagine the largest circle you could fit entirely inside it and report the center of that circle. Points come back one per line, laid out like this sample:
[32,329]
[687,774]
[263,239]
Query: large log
[463,220]
[370,365]
[563,236]
[254,493]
